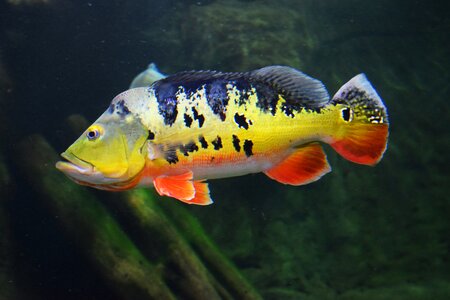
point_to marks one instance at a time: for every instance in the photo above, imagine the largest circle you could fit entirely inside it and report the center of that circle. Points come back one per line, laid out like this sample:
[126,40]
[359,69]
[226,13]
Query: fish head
[110,154]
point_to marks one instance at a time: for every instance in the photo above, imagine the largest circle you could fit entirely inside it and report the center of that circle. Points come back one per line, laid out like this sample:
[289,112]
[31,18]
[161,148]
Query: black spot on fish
[217,143]
[121,109]
[289,108]
[236,142]
[187,120]
[241,121]
[198,117]
[171,156]
[267,97]
[243,90]
[217,98]
[183,150]
[203,142]
[346,114]
[167,101]
[212,158]
[151,135]
[191,147]
[248,146]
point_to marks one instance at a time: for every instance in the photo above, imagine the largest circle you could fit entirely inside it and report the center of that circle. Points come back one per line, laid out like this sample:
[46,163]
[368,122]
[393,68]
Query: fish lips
[75,167]
[83,172]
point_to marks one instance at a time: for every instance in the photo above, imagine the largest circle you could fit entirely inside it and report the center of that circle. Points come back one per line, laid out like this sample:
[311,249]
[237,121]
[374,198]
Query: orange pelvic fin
[180,187]
[183,188]
[305,165]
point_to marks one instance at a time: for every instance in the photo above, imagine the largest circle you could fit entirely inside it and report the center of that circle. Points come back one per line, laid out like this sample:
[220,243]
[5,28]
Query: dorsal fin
[200,76]
[295,86]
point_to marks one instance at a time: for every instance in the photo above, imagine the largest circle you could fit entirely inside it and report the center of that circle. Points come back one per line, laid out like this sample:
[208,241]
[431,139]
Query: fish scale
[283,130]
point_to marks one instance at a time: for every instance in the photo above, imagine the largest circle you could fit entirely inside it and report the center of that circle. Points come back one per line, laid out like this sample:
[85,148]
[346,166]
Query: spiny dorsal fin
[297,87]
[200,76]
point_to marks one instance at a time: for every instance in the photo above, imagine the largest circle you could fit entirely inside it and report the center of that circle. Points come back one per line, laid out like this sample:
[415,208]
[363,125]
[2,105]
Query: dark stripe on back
[167,102]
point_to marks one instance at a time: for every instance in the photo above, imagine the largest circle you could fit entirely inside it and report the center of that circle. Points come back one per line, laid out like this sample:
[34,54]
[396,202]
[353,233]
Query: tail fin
[363,136]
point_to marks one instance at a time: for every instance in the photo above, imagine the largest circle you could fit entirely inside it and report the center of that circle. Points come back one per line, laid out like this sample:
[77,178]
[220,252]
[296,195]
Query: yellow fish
[199,125]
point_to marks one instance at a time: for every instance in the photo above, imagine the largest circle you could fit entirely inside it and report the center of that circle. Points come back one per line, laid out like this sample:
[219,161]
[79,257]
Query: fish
[147,77]
[195,126]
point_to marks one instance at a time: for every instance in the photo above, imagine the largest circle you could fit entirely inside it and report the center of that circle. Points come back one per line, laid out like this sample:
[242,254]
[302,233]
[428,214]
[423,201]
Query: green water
[359,233]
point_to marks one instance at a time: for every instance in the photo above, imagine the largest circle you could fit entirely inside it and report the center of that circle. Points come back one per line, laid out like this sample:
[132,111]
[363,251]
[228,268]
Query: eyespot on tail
[363,136]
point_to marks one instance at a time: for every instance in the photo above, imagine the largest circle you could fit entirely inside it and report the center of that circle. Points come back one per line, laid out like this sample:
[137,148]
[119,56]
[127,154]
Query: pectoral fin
[305,165]
[183,188]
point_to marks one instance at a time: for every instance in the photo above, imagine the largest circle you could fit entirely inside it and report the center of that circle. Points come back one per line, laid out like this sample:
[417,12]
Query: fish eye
[94,133]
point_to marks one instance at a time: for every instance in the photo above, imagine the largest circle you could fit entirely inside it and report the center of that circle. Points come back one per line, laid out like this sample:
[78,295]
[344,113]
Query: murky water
[358,233]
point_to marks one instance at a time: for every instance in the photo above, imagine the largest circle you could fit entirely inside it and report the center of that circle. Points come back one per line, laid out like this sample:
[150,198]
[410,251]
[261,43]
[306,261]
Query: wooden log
[220,266]
[87,221]
[160,240]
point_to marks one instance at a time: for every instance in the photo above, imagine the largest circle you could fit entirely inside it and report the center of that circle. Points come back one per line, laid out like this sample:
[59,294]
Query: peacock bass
[198,125]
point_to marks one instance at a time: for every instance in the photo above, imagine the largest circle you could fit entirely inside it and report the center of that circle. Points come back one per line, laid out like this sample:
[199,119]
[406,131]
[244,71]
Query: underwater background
[360,232]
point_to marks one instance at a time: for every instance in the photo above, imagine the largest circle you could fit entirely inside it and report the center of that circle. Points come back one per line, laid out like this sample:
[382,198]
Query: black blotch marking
[241,121]
[187,120]
[183,150]
[203,142]
[217,143]
[217,98]
[267,97]
[236,142]
[212,158]
[189,147]
[248,146]
[198,117]
[243,90]
[151,135]
[167,101]
[171,156]
[346,114]
[289,108]
[120,108]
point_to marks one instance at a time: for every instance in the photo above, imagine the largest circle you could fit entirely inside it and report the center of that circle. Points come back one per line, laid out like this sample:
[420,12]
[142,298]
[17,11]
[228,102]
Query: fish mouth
[75,165]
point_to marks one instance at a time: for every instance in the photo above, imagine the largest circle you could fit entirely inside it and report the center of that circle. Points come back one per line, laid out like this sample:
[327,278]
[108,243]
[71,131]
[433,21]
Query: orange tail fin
[363,135]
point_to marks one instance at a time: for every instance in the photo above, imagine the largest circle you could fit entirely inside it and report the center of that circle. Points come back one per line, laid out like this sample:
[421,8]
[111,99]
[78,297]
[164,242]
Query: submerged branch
[100,237]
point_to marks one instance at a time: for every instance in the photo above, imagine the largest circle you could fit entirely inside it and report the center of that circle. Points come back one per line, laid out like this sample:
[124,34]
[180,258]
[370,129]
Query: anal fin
[305,165]
[201,194]
[183,188]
